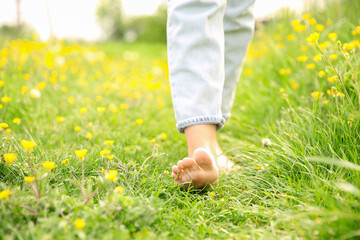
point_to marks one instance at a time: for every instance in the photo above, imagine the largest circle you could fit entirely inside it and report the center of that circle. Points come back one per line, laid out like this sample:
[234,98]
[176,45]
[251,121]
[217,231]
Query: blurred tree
[110,16]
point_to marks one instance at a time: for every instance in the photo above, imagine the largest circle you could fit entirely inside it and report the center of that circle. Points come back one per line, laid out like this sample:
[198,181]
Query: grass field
[102,139]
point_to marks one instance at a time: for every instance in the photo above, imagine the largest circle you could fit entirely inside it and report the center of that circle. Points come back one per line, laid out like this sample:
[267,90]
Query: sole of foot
[196,172]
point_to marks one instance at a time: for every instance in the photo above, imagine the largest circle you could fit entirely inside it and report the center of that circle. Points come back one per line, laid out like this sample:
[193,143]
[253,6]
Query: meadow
[88,139]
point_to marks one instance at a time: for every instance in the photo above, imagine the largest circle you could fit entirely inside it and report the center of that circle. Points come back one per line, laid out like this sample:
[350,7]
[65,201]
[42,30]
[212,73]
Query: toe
[180,164]
[175,169]
[190,164]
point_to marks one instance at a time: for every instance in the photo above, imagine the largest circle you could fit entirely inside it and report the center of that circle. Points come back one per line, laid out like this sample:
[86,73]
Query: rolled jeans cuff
[217,120]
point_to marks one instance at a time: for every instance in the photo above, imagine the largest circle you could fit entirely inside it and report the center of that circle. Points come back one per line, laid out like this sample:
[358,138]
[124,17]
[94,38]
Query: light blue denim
[207,41]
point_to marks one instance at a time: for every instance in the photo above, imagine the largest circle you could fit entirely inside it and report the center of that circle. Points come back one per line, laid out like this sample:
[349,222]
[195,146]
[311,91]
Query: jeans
[207,41]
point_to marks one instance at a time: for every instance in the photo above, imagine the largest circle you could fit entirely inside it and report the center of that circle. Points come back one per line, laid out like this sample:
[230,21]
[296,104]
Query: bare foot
[223,163]
[197,172]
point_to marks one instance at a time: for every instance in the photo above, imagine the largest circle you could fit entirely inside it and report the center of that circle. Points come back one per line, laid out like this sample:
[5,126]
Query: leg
[196,66]
[239,28]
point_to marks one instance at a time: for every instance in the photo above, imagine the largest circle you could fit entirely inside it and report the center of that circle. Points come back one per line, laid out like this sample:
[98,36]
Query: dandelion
[280,45]
[212,194]
[8,131]
[29,179]
[81,154]
[284,71]
[294,85]
[248,71]
[281,90]
[28,145]
[100,109]
[60,119]
[153,140]
[333,56]
[3,125]
[166,172]
[111,175]
[110,157]
[139,121]
[89,135]
[119,190]
[71,100]
[332,78]
[24,89]
[77,128]
[48,165]
[312,21]
[4,194]
[109,142]
[105,152]
[79,223]
[65,161]
[316,95]
[2,83]
[17,120]
[341,95]
[9,157]
[306,16]
[324,45]
[295,22]
[317,57]
[310,65]
[160,105]
[6,99]
[326,101]
[163,136]
[319,27]
[332,36]
[313,38]
[321,73]
[299,28]
[349,46]
[124,106]
[83,110]
[98,98]
[302,58]
[290,37]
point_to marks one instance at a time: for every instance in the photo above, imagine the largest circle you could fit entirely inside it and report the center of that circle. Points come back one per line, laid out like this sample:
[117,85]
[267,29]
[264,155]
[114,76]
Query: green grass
[304,186]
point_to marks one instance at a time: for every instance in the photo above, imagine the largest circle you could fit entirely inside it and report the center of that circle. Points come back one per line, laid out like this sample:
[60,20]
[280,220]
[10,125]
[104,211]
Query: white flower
[266,142]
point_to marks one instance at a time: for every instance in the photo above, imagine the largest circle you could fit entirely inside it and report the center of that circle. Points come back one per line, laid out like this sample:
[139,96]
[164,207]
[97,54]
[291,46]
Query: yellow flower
[2,83]
[294,85]
[10,157]
[28,145]
[109,142]
[83,110]
[304,48]
[89,135]
[313,38]
[341,95]
[8,130]
[65,161]
[77,128]
[324,45]
[333,56]
[166,172]
[332,78]
[101,109]
[302,58]
[290,37]
[160,105]
[110,157]
[153,140]
[6,99]
[119,190]
[212,194]
[332,36]
[24,89]
[81,154]
[1,106]
[98,98]
[326,101]
[284,71]
[4,125]
[306,16]
[349,46]
[310,66]
[4,194]
[163,136]
[29,179]
[79,223]
[282,90]
[60,119]
[48,165]
[312,21]
[71,100]
[17,120]
[124,106]
[139,121]
[41,85]
[111,175]
[316,95]
[295,22]
[280,45]
[319,27]
[105,152]
[321,73]
[35,93]
[317,57]
[299,28]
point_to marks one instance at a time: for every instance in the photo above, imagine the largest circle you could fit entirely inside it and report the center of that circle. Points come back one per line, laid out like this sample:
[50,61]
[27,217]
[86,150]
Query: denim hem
[219,121]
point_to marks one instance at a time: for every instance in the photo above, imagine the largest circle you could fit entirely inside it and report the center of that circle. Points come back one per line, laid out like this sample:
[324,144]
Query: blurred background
[98,20]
